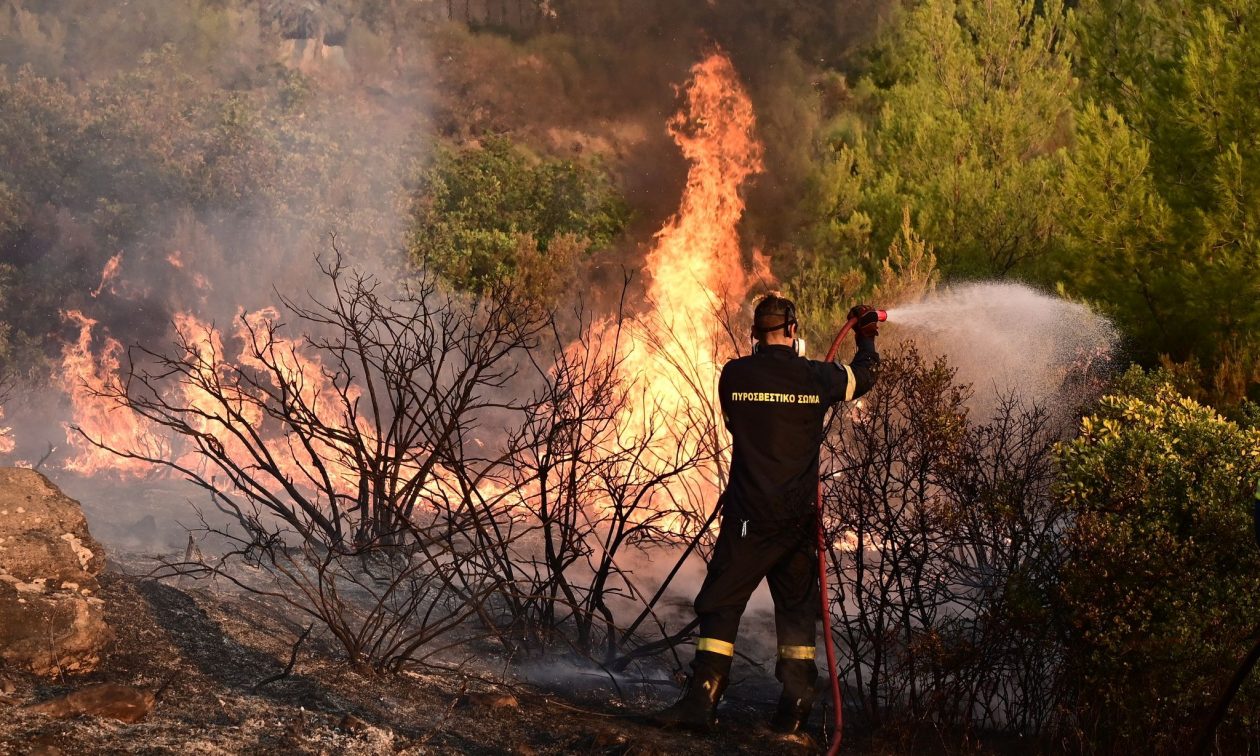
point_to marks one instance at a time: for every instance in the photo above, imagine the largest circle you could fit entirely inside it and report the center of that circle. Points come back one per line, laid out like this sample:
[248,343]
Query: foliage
[1162,586]
[972,108]
[906,273]
[1162,195]
[475,206]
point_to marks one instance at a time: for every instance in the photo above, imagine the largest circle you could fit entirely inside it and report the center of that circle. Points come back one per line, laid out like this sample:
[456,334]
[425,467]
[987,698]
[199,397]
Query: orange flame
[89,380]
[697,281]
[282,359]
[295,369]
[221,416]
[108,274]
[229,414]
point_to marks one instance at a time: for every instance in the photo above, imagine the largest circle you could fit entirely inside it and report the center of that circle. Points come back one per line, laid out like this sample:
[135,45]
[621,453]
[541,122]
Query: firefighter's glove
[867,325]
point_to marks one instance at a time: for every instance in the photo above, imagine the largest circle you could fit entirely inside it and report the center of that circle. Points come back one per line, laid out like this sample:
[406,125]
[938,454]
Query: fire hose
[823,551]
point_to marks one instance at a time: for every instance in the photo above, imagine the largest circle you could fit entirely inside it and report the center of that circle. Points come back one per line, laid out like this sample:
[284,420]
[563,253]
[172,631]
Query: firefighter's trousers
[785,553]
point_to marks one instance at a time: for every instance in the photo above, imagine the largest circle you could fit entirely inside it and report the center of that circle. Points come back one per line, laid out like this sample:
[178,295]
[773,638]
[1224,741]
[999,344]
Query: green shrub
[1162,584]
[474,207]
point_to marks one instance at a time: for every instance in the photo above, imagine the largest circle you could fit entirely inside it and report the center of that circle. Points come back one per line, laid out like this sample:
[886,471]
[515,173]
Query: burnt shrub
[946,541]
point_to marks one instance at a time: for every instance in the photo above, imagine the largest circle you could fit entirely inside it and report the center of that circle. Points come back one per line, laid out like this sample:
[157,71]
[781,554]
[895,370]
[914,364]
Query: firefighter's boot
[697,708]
[792,714]
[797,701]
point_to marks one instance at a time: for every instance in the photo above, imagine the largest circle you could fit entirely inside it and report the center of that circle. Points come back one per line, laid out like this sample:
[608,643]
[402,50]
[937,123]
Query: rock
[43,533]
[53,633]
[107,700]
[50,619]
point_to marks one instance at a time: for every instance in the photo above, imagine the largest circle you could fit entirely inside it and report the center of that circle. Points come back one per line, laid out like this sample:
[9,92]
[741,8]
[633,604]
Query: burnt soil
[210,651]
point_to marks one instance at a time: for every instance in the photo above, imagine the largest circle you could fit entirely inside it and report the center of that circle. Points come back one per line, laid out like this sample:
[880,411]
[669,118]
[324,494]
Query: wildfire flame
[697,280]
[210,417]
[669,357]
[108,274]
[231,413]
[89,379]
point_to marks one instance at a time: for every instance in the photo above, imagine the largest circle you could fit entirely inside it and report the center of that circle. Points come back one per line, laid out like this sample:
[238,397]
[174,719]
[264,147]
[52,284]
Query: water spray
[823,551]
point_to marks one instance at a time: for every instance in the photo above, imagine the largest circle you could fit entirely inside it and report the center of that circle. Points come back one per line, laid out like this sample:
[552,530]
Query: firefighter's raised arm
[851,380]
[861,369]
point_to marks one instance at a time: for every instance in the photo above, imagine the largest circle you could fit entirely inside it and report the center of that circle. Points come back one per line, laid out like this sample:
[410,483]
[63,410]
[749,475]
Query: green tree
[972,113]
[1162,583]
[1163,191]
[474,207]
[906,274]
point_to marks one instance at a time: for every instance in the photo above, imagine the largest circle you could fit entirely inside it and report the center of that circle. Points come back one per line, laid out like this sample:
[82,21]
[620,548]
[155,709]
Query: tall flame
[697,280]
[695,269]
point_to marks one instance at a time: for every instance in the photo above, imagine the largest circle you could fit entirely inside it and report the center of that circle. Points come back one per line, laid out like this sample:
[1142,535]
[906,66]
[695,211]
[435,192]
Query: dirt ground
[211,651]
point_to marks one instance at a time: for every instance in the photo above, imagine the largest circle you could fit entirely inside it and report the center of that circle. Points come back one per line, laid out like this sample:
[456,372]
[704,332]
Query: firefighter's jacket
[775,403]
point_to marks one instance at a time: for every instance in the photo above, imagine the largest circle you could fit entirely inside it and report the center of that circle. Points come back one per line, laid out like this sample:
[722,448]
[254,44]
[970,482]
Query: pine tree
[1162,194]
[974,102]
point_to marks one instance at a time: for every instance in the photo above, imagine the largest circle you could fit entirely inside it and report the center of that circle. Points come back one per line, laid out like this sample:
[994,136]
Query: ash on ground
[216,659]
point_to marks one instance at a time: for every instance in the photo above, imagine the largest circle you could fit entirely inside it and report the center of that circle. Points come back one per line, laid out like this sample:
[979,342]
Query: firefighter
[774,403]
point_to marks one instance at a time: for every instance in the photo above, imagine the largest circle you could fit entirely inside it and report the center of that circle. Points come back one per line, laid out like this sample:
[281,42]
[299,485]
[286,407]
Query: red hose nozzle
[883,315]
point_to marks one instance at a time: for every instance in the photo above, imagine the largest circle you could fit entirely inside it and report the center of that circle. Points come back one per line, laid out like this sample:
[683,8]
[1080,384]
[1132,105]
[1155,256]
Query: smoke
[197,166]
[278,181]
